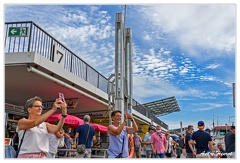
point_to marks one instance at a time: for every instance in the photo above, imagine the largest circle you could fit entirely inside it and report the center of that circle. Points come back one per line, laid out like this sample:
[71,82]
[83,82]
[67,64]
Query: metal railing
[41,42]
[141,109]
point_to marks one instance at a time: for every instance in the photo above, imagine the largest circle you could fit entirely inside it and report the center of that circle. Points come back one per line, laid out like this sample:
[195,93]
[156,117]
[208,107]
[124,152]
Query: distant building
[220,130]
[178,131]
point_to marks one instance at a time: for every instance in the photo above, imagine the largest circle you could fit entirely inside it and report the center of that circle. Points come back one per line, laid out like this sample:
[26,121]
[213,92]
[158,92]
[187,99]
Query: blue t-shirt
[230,142]
[83,130]
[116,144]
[188,138]
[202,138]
[147,138]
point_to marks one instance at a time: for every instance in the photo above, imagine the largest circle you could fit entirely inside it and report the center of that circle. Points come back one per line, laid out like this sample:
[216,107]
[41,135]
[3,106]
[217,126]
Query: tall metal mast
[122,86]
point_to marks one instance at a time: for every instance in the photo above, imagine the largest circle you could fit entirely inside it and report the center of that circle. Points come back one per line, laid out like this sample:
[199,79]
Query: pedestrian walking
[229,139]
[85,134]
[137,145]
[191,153]
[170,150]
[68,141]
[179,146]
[53,143]
[203,140]
[147,138]
[159,143]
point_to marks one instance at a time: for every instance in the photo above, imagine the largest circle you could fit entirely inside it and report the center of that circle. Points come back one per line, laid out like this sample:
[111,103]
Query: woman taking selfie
[35,142]
[118,134]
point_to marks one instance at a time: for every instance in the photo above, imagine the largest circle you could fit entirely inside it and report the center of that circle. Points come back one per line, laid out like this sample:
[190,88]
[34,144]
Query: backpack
[181,143]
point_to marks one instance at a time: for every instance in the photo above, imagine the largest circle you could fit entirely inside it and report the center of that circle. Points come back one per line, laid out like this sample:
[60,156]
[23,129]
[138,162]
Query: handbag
[82,147]
[120,154]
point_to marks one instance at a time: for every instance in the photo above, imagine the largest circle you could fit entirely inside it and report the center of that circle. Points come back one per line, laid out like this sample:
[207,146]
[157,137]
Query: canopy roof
[163,107]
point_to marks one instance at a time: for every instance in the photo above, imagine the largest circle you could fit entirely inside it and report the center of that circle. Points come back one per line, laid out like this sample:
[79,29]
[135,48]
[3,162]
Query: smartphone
[128,111]
[60,95]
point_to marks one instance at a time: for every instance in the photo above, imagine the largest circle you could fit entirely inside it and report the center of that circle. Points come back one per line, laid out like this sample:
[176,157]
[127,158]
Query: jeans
[190,155]
[160,155]
[10,152]
[149,154]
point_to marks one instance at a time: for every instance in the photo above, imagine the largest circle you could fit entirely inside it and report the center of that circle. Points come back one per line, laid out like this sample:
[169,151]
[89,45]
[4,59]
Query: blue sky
[182,50]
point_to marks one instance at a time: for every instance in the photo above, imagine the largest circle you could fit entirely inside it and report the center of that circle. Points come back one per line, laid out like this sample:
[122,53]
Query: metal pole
[233,87]
[181,128]
[226,127]
[119,64]
[213,121]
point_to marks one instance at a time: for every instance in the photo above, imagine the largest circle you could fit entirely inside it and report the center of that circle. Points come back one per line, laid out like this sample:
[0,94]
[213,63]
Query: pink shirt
[158,141]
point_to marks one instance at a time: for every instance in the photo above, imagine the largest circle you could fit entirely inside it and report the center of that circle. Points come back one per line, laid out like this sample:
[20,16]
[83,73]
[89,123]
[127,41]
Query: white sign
[58,55]
[71,103]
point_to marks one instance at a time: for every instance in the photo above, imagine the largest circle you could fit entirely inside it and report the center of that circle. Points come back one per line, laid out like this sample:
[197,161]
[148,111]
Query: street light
[229,120]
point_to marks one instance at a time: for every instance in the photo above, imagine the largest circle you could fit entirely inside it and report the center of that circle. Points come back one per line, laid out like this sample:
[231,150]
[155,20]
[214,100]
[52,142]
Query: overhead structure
[163,107]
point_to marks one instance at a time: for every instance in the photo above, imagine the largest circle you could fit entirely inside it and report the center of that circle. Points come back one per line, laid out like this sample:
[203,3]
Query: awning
[70,120]
[99,128]
[162,107]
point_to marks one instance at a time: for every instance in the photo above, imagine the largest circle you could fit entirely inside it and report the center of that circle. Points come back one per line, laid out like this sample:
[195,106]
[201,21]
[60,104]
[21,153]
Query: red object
[98,127]
[131,142]
[70,120]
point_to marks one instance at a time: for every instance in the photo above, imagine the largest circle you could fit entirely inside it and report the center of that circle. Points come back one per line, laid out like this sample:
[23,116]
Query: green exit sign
[18,31]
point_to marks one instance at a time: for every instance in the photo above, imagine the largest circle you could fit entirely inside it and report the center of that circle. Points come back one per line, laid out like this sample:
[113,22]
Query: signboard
[92,114]
[14,107]
[71,103]
[18,31]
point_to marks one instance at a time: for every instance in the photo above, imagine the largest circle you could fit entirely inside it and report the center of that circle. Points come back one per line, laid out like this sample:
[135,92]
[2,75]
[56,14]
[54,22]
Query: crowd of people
[47,138]
[198,144]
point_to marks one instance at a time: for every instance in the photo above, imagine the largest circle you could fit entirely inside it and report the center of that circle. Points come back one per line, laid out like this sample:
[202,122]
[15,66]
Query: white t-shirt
[169,144]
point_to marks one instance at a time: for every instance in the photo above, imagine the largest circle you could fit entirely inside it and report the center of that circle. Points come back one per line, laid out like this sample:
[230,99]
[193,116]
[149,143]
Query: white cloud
[149,87]
[209,106]
[196,27]
[213,66]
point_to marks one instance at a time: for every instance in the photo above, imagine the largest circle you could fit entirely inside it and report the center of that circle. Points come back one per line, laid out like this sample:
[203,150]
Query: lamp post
[229,120]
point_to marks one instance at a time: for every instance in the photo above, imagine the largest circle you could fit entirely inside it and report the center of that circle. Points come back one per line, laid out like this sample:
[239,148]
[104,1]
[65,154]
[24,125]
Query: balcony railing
[41,42]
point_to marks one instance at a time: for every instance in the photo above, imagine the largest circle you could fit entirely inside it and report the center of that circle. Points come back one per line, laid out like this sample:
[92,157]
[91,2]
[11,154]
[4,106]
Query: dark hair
[189,127]
[151,128]
[114,112]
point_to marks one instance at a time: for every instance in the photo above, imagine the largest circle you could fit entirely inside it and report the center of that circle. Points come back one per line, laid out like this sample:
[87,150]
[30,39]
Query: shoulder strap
[123,144]
[20,144]
[87,134]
